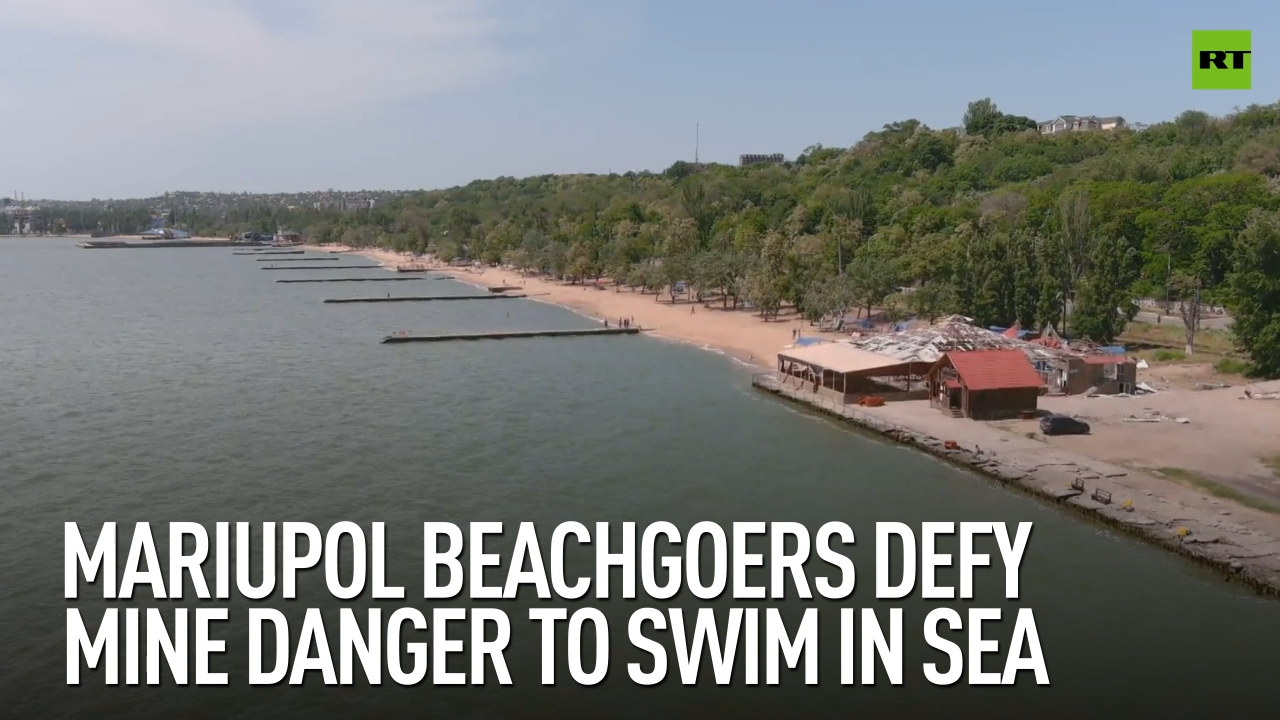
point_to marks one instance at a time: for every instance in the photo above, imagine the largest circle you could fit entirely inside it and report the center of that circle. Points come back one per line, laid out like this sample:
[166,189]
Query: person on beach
[692,308]
[606,323]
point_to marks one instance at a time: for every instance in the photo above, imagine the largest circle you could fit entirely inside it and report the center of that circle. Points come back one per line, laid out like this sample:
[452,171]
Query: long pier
[272,252]
[424,299]
[511,335]
[297,259]
[329,267]
[381,279]
[122,245]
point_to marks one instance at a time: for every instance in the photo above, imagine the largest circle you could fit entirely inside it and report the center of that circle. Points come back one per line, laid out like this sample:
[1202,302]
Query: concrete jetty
[330,259]
[328,267]
[511,335]
[122,245]
[424,298]
[272,252]
[380,279]
[1122,498]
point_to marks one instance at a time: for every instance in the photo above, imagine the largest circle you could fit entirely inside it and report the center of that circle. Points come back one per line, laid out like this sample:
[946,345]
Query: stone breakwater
[1239,542]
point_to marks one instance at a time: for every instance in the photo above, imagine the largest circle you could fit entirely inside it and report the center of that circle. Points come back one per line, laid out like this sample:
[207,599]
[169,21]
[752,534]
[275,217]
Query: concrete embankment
[1240,542]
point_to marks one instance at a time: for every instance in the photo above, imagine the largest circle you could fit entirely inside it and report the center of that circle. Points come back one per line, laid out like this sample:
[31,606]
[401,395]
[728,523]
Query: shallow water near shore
[186,385]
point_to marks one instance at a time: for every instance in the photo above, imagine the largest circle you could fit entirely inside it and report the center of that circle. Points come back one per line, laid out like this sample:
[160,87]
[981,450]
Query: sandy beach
[1168,478]
[742,334]
[1243,434]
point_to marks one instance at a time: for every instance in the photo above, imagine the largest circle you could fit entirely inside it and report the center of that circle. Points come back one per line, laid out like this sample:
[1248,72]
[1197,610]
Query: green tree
[1075,243]
[874,274]
[983,118]
[994,221]
[1255,292]
[932,300]
[1104,304]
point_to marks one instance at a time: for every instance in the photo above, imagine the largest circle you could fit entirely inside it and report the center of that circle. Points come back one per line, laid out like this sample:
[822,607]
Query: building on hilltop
[774,159]
[1077,123]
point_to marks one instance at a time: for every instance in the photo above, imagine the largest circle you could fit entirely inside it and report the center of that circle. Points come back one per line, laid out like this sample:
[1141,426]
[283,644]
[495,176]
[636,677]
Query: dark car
[1063,425]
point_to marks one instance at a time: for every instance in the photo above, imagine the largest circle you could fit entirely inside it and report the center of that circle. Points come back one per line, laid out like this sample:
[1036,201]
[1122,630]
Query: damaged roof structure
[929,343]
[1071,368]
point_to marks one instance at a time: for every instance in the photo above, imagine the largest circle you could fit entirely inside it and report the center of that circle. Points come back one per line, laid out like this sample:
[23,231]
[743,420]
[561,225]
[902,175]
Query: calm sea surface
[186,385]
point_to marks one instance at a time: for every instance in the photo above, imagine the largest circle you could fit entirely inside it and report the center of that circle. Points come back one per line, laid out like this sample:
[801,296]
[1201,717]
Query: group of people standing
[625,322]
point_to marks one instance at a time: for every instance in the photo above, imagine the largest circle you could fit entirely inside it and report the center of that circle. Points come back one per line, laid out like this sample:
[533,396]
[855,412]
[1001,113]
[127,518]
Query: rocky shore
[1241,543]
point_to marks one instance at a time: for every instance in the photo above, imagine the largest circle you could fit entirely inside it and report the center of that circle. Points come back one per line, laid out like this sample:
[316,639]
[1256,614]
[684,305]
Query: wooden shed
[845,373]
[984,384]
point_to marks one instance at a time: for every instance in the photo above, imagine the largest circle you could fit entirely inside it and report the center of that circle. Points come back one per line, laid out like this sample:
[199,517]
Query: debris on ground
[1138,390]
[1155,417]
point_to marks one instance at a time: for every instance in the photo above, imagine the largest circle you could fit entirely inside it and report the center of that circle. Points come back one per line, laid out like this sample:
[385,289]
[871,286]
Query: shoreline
[1241,543]
[740,335]
[1236,552]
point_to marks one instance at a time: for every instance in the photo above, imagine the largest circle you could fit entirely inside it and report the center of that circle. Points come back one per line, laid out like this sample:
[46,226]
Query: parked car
[1063,425]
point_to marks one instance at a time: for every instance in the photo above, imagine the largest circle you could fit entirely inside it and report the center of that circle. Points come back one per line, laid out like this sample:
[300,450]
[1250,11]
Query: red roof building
[995,369]
[985,384]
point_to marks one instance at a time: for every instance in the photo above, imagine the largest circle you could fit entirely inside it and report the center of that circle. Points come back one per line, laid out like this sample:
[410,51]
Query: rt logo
[1220,60]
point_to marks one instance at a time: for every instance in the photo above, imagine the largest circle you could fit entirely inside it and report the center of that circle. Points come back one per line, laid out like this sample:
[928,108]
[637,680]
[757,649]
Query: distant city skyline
[133,98]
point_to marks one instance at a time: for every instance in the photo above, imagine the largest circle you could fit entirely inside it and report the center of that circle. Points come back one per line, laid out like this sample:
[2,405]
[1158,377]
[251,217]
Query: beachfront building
[1063,370]
[841,372]
[984,384]
[1101,373]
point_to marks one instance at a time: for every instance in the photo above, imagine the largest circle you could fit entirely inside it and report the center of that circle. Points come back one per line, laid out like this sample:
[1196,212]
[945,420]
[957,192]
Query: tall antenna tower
[697,140]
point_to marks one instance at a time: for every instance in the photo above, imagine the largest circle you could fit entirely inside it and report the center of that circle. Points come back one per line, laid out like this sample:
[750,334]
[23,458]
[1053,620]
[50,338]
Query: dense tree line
[991,220]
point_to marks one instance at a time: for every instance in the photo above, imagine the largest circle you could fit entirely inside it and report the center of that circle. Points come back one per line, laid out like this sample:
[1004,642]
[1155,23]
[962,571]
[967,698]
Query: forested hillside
[991,220]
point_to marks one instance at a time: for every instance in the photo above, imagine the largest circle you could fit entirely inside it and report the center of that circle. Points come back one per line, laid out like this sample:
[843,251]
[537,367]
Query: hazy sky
[128,98]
